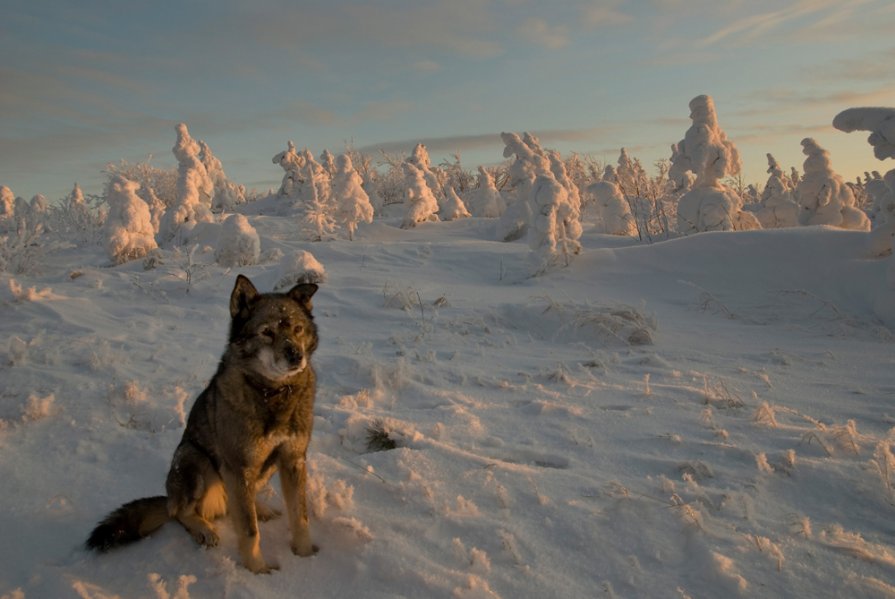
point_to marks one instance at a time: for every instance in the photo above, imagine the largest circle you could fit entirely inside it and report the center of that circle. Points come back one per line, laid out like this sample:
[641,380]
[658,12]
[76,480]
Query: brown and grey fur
[254,417]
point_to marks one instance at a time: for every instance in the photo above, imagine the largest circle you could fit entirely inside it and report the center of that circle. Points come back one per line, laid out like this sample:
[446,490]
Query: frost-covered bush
[554,229]
[612,211]
[315,214]
[529,163]
[823,195]
[227,195]
[421,203]
[778,209]
[351,201]
[128,227]
[238,244]
[299,267]
[316,175]
[7,209]
[486,201]
[75,220]
[163,182]
[453,206]
[195,191]
[706,151]
[881,124]
[290,162]
[420,159]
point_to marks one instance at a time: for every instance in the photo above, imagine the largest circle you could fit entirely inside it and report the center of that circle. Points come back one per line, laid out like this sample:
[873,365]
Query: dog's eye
[298,329]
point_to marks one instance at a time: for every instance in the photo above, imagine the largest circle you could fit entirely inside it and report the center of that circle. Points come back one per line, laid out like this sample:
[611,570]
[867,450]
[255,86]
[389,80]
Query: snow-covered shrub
[453,207]
[195,191]
[238,244]
[554,229]
[881,124]
[316,175]
[529,163]
[613,213]
[75,220]
[23,246]
[486,201]
[226,193]
[421,203]
[420,159]
[778,209]
[315,214]
[128,227]
[163,182]
[299,267]
[291,162]
[706,151]
[328,162]
[824,197]
[351,201]
[558,168]
[7,209]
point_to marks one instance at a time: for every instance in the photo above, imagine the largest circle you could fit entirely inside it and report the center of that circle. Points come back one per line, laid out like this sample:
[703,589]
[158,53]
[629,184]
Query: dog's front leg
[241,493]
[293,478]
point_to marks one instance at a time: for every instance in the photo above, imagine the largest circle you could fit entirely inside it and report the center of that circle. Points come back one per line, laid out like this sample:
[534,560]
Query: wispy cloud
[540,32]
[600,13]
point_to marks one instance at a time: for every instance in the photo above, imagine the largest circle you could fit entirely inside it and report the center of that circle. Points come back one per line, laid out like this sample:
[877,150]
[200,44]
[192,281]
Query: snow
[697,417]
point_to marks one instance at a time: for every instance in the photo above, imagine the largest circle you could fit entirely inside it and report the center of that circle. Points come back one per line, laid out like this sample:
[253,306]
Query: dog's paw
[261,567]
[304,549]
[265,512]
[206,537]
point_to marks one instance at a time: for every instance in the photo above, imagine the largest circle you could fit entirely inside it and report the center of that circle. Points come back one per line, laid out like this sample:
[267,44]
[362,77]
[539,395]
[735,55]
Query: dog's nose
[293,355]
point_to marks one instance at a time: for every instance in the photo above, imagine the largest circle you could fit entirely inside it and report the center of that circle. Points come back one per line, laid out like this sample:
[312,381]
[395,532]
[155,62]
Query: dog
[254,417]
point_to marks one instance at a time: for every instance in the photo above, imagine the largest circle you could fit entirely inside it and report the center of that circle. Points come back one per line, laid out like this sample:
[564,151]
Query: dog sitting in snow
[254,418]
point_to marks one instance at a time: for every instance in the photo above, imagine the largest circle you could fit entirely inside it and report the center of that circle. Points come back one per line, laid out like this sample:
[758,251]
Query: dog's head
[273,334]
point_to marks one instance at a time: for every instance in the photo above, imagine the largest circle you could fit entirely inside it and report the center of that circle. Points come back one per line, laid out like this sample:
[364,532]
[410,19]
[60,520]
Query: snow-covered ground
[704,417]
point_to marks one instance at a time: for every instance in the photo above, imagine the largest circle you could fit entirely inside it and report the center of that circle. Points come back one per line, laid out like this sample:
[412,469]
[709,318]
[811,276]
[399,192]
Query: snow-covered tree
[553,231]
[128,228]
[7,208]
[420,159]
[22,217]
[156,206]
[558,168]
[705,150]
[314,212]
[352,202]
[453,206]
[823,195]
[315,174]
[195,191]
[292,163]
[612,210]
[881,124]
[778,209]
[328,162]
[227,195]
[421,203]
[529,163]
[486,201]
[238,244]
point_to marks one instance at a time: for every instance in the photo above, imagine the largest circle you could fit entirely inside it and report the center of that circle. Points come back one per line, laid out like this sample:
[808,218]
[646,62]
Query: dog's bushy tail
[131,522]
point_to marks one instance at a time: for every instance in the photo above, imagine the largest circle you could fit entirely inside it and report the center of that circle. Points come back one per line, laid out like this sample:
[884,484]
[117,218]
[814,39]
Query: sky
[88,83]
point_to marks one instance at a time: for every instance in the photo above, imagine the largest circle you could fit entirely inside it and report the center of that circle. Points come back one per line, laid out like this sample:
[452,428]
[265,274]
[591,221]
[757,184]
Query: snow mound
[239,244]
[549,320]
[299,267]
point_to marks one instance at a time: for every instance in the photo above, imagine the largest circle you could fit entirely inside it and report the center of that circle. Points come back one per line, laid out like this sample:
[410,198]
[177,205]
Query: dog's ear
[302,293]
[243,296]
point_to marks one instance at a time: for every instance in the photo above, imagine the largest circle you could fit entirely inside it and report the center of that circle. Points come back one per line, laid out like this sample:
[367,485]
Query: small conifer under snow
[706,151]
[613,211]
[486,201]
[128,228]
[238,244]
[195,190]
[351,201]
[453,207]
[823,195]
[778,209]
[421,203]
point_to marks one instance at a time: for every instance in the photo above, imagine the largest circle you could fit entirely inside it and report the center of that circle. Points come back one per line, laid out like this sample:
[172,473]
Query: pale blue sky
[87,82]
